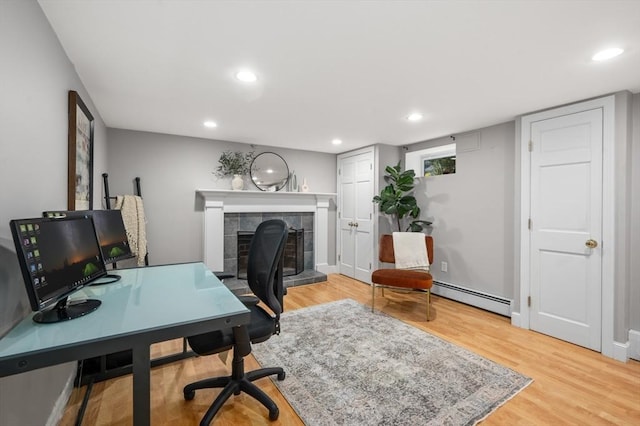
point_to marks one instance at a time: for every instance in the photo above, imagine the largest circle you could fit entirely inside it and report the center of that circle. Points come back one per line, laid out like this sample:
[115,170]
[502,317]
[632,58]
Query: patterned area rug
[348,366]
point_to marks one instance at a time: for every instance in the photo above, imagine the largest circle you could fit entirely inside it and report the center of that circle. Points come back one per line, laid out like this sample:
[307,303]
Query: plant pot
[237,183]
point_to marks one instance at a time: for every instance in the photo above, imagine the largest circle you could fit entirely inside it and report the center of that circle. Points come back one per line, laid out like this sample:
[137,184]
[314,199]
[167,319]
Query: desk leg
[141,385]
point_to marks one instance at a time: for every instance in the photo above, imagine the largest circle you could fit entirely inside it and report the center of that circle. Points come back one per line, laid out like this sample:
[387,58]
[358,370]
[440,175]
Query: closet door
[355,214]
[569,223]
[566,232]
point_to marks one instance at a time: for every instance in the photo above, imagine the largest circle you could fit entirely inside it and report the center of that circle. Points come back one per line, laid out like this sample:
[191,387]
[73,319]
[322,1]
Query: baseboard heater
[489,302]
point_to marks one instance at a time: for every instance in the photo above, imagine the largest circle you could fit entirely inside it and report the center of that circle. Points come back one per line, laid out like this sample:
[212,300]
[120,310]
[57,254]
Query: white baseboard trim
[620,351]
[486,301]
[327,269]
[515,319]
[634,345]
[61,402]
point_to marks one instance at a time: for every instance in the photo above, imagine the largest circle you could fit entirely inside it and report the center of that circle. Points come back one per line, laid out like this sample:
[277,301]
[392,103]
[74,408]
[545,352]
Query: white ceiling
[341,69]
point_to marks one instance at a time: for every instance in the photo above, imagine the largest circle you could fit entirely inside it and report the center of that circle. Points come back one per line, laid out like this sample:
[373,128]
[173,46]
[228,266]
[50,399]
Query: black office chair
[264,274]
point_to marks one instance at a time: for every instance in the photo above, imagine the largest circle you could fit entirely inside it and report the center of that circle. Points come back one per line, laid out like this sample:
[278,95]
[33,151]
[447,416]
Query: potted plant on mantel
[396,200]
[236,164]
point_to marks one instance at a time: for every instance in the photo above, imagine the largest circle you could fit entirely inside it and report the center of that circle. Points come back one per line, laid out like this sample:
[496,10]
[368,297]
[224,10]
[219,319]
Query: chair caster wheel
[189,395]
[281,376]
[273,414]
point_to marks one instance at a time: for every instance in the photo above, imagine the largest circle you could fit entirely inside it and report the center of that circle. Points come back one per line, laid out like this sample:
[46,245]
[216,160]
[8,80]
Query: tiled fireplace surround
[226,212]
[234,222]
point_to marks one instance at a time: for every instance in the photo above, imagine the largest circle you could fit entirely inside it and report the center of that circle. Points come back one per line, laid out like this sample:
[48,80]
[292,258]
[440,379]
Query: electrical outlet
[444,266]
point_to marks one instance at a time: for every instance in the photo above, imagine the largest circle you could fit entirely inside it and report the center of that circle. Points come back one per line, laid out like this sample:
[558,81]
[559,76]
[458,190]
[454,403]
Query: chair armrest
[249,300]
[223,275]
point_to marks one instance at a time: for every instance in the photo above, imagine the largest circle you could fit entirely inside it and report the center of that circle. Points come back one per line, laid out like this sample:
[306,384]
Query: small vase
[304,187]
[237,183]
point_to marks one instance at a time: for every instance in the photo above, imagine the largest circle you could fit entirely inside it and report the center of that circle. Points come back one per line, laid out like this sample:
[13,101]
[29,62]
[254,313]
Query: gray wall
[171,168]
[623,172]
[472,211]
[634,244]
[35,78]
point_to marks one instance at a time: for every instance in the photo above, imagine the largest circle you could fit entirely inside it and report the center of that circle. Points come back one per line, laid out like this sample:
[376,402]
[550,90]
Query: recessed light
[246,76]
[210,124]
[416,116]
[603,55]
[336,141]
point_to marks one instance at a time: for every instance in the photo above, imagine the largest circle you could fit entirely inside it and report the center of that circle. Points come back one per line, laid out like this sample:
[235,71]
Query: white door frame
[374,219]
[607,104]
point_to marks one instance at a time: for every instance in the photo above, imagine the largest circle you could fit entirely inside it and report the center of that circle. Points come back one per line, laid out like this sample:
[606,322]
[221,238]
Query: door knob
[355,224]
[591,243]
[350,224]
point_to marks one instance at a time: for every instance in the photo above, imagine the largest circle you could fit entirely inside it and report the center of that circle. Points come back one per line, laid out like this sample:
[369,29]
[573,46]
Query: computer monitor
[111,235]
[58,257]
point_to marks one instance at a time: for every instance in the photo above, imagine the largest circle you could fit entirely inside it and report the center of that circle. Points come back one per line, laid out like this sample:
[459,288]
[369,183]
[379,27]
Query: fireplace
[293,252]
[219,247]
[239,227]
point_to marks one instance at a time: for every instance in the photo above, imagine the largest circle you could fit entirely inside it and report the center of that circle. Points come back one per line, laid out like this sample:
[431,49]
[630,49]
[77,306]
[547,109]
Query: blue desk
[148,305]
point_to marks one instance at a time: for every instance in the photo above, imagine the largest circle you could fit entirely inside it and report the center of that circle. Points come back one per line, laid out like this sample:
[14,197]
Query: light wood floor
[572,385]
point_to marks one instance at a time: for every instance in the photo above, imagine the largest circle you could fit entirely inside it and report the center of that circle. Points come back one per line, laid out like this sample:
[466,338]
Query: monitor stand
[64,311]
[106,279]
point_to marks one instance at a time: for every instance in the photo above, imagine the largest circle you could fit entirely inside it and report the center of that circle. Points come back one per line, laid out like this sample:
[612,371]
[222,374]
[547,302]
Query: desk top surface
[144,300]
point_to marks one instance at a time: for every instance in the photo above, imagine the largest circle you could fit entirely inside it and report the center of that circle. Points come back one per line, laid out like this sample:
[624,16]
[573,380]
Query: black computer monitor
[111,235]
[58,257]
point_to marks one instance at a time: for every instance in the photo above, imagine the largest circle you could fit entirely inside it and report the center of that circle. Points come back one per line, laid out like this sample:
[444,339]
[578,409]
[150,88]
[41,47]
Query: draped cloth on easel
[134,223]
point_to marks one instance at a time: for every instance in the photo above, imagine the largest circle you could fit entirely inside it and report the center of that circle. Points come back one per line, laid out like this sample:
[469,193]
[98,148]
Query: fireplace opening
[293,252]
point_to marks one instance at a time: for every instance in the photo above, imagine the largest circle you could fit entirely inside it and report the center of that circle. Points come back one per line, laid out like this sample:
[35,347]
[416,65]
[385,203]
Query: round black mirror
[269,172]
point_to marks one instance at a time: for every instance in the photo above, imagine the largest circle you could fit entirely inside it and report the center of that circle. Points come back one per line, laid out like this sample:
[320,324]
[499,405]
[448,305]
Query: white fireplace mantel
[217,202]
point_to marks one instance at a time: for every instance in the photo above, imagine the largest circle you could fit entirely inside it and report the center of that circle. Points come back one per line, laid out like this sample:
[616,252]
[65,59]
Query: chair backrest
[265,263]
[385,248]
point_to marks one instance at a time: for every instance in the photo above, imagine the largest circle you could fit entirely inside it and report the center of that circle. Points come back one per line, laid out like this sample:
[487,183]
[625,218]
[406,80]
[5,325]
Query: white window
[439,160]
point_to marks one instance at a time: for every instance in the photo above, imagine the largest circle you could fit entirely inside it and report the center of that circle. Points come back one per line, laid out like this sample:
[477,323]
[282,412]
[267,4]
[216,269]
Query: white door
[355,215]
[566,227]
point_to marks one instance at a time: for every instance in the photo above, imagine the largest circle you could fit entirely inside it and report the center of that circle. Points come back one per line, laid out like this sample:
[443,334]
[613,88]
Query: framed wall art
[80,181]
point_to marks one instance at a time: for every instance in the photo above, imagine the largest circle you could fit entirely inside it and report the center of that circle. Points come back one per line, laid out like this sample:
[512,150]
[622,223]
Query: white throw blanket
[134,223]
[410,250]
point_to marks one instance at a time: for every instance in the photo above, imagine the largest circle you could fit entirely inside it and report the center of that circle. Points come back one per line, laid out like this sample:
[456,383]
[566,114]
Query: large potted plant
[397,201]
[236,164]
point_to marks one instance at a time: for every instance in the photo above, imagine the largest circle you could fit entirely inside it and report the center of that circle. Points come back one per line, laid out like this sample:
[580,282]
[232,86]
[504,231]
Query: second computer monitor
[111,232]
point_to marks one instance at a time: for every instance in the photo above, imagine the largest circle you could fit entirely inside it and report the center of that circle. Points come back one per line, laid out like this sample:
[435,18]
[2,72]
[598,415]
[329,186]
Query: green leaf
[414,227]
[396,199]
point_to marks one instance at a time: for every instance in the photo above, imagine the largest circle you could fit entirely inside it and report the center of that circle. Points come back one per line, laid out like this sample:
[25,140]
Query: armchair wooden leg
[373,296]
[428,305]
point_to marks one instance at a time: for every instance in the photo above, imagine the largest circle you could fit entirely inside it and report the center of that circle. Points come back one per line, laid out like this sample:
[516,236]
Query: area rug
[348,366]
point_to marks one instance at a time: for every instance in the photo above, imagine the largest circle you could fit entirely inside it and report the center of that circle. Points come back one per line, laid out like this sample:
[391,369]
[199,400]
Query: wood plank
[572,385]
